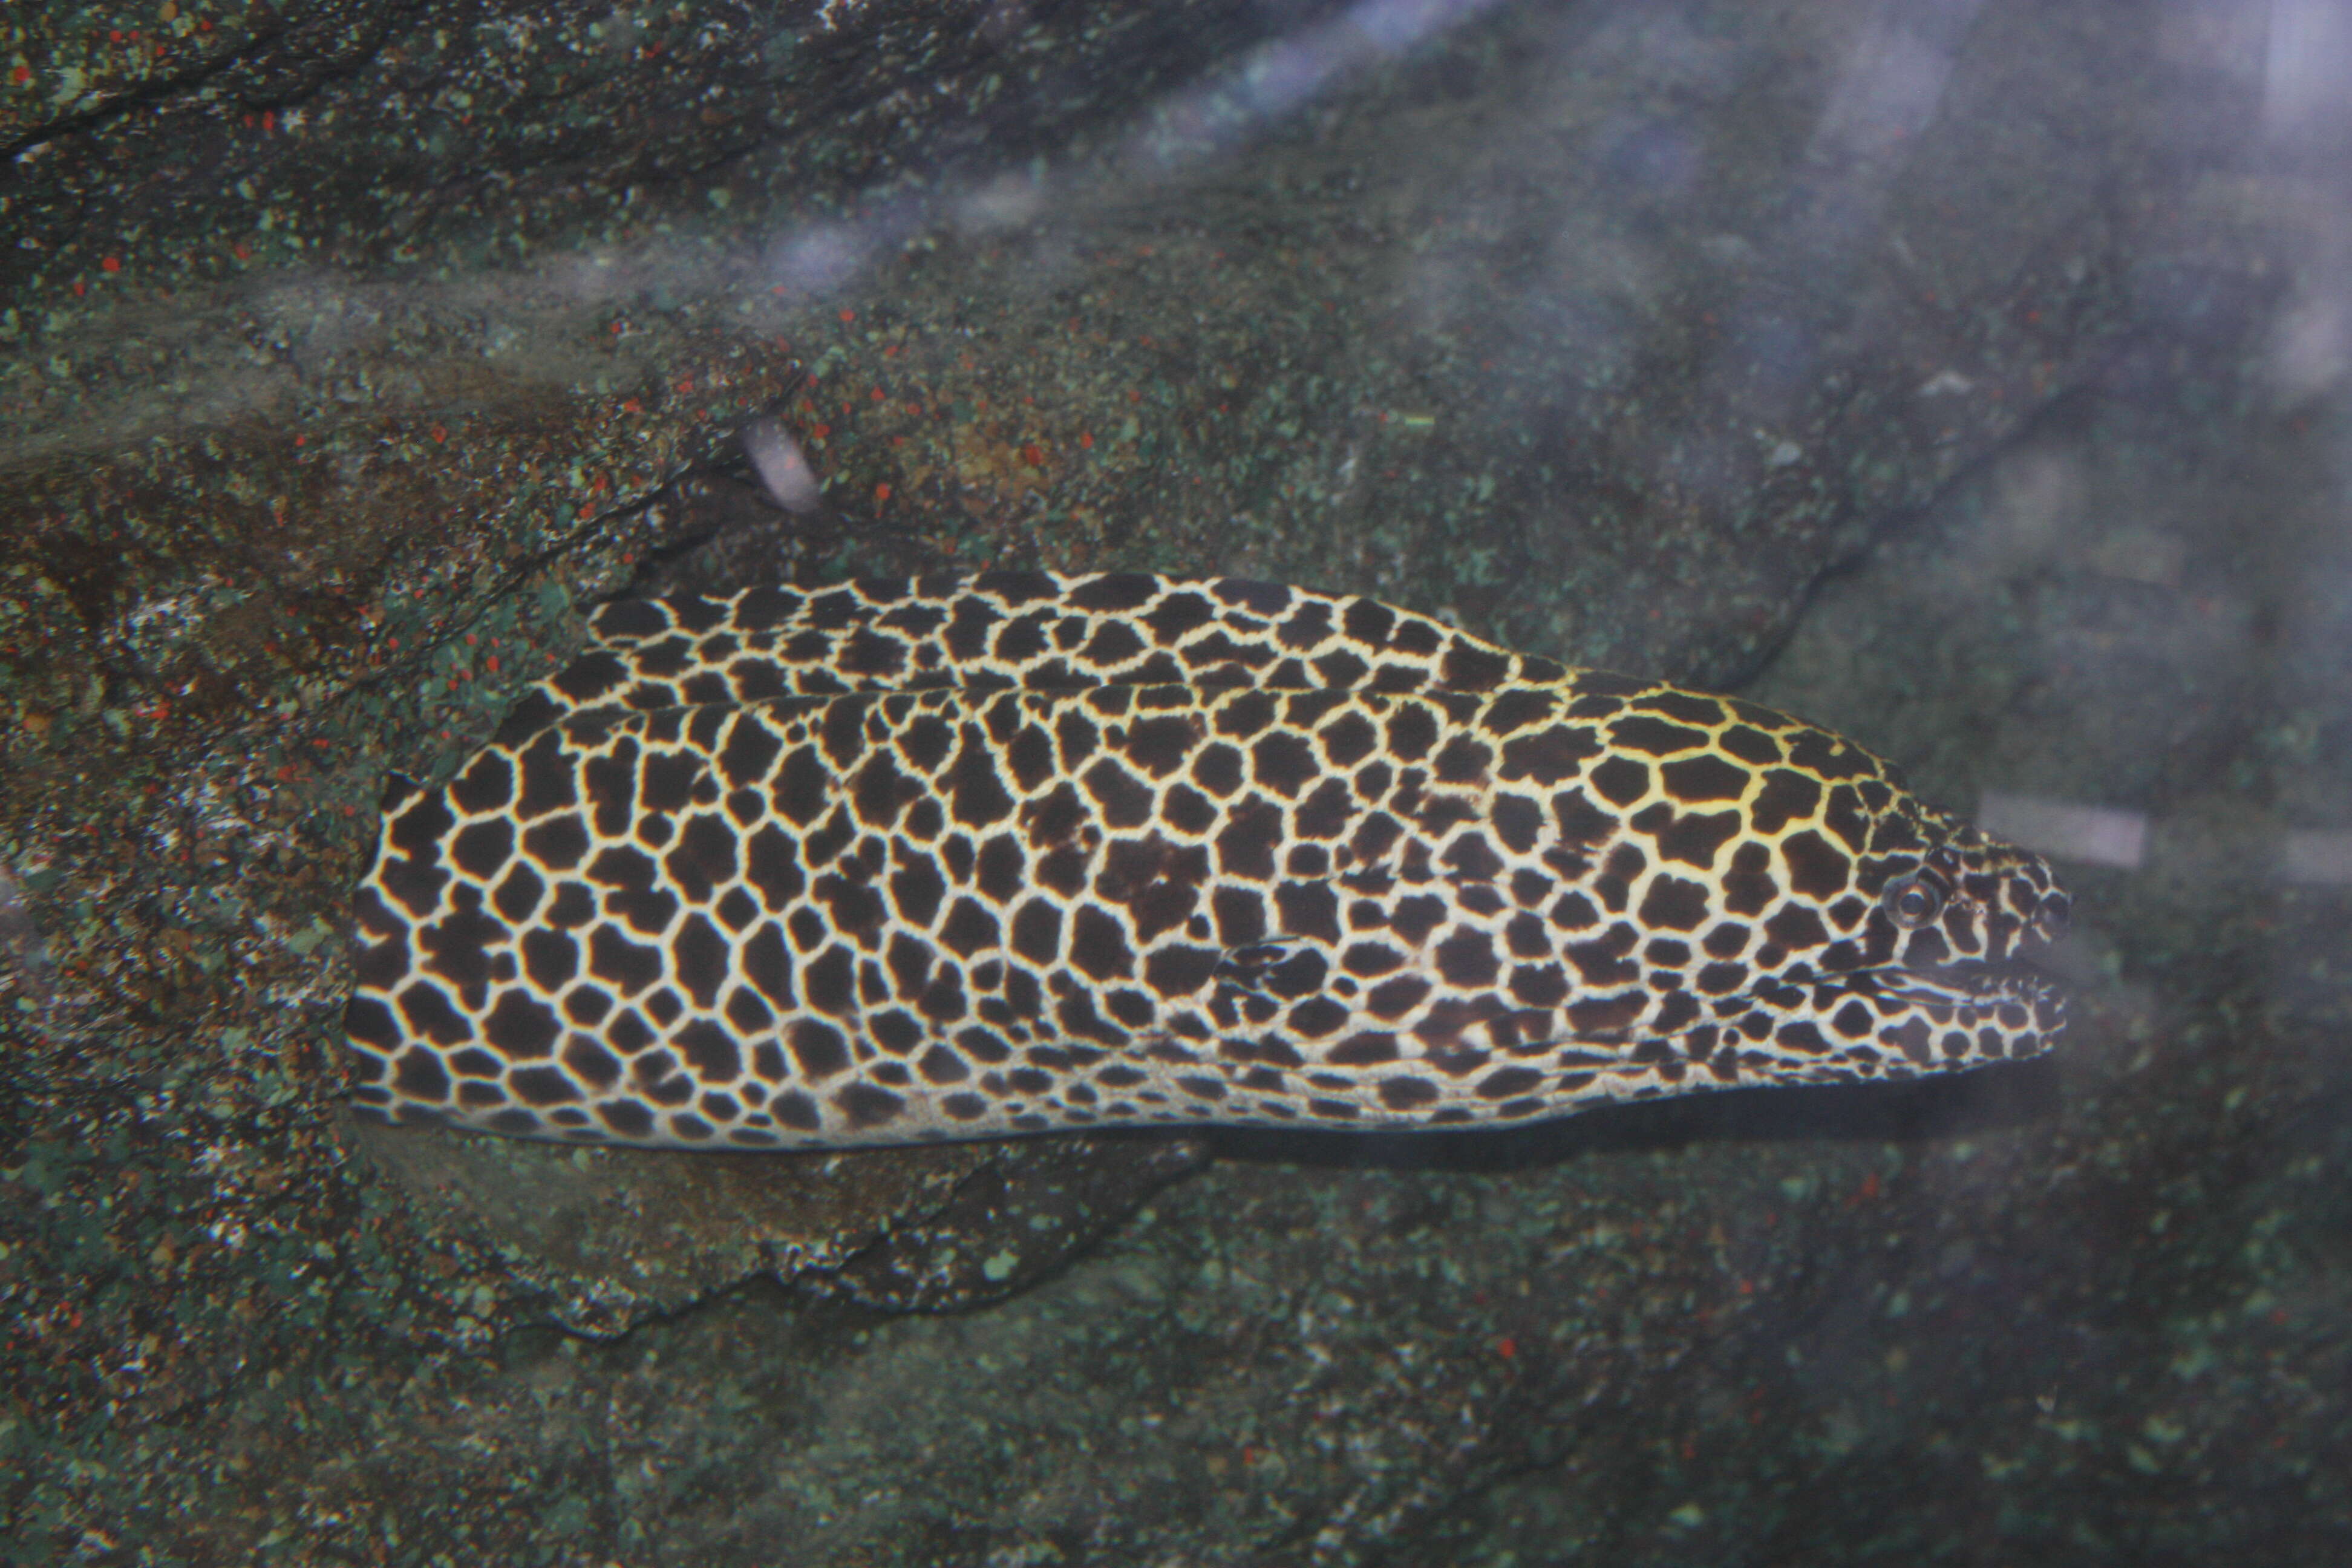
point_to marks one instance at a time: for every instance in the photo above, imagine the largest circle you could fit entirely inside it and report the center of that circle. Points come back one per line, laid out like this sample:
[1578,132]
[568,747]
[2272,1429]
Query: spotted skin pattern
[899,862]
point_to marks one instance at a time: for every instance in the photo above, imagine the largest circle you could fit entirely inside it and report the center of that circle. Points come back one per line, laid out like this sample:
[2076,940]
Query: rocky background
[1968,377]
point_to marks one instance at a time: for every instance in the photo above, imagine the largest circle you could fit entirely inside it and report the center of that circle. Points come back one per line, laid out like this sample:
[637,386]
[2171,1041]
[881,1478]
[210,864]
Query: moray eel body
[899,861]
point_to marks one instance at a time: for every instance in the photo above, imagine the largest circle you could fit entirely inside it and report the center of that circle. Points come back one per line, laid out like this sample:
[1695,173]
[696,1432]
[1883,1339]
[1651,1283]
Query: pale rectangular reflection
[2323,857]
[2097,834]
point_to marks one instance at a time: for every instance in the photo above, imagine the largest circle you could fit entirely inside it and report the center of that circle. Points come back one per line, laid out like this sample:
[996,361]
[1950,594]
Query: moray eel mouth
[898,862]
[1917,1021]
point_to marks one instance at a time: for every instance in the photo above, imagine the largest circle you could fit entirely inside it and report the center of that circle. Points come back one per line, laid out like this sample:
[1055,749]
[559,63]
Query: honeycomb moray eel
[896,861]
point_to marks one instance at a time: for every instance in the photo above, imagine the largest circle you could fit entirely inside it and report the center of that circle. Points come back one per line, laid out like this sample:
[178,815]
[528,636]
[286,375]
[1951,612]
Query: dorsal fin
[1032,629]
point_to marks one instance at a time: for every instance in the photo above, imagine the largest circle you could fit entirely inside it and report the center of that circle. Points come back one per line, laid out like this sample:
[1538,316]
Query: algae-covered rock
[347,352]
[612,1236]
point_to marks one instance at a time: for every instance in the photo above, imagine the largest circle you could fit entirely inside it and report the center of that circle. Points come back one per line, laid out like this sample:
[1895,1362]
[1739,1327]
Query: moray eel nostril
[896,861]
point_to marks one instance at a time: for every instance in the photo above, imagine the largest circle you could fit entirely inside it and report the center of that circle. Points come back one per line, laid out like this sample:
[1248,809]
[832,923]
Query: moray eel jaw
[1880,1024]
[1875,1024]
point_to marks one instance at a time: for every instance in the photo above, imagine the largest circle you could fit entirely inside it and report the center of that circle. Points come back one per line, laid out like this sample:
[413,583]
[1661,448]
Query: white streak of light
[2097,834]
[2317,856]
[2310,55]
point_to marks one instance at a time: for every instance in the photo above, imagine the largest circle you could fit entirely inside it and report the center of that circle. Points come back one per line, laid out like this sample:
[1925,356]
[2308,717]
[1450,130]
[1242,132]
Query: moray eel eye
[1911,902]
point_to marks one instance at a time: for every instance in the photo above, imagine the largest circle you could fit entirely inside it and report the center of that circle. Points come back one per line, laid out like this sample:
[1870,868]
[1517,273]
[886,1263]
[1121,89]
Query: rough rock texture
[347,349]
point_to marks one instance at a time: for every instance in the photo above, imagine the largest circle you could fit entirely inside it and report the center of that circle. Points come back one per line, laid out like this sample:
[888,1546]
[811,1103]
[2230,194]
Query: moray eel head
[1933,979]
